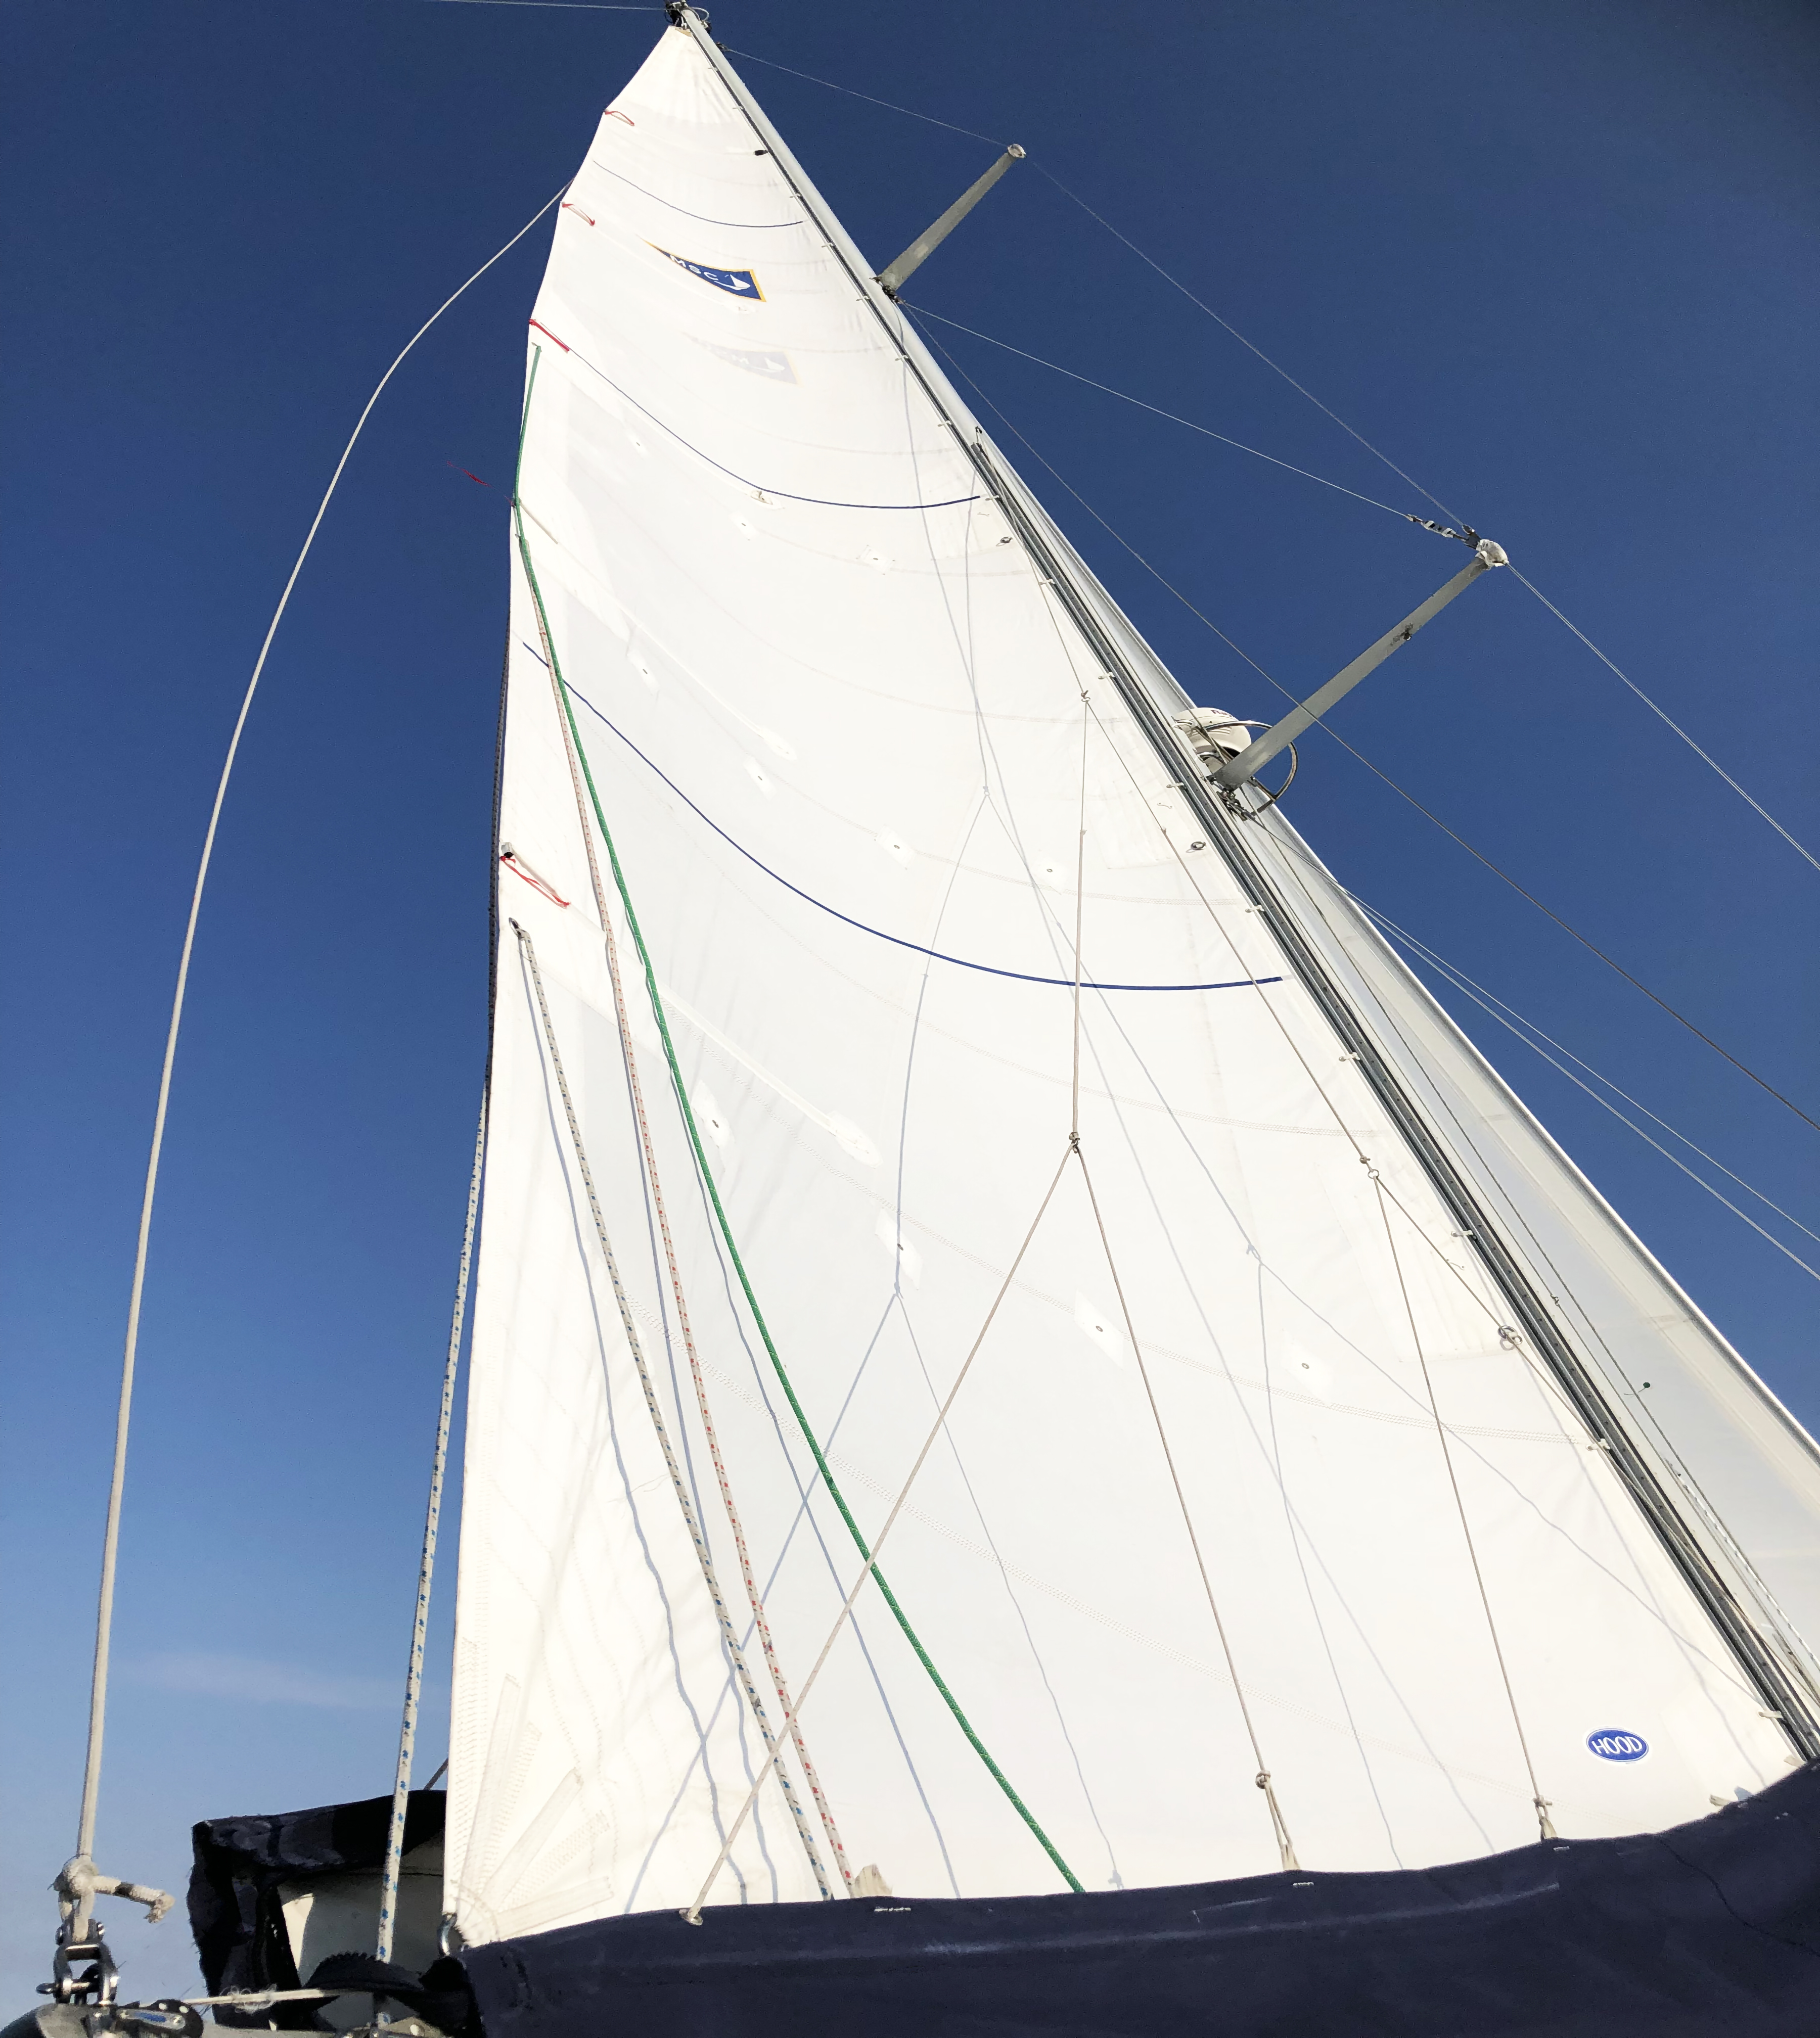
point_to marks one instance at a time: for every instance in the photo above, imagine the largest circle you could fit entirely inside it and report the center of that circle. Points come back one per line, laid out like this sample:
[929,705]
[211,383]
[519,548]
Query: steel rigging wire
[1516,1024]
[1156,410]
[1276,368]
[1402,792]
[770,63]
[1655,707]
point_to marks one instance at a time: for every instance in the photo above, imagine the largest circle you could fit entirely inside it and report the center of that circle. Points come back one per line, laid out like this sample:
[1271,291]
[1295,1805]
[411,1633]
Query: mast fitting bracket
[79,1940]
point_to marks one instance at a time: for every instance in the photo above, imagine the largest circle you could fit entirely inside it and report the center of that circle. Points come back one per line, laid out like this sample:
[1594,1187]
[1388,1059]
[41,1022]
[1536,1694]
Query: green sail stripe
[681,1093]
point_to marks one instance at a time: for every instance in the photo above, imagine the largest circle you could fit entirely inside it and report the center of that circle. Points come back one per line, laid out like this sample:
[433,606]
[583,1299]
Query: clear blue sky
[1559,261]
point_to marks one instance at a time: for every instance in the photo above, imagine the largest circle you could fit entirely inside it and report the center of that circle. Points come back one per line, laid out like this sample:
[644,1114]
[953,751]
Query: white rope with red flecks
[754,1598]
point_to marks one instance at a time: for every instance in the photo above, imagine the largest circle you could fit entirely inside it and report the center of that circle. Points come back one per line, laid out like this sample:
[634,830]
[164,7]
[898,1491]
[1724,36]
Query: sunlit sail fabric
[853,756]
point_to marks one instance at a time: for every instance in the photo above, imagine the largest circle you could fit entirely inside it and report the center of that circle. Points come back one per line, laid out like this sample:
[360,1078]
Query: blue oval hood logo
[1614,1744]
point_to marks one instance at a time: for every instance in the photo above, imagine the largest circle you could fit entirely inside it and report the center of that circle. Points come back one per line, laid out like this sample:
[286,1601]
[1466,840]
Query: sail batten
[836,676]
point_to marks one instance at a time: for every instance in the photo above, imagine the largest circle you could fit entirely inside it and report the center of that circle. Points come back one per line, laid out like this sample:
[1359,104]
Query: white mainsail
[865,769]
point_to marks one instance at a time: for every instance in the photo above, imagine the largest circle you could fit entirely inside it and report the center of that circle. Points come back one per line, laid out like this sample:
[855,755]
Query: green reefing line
[677,1085]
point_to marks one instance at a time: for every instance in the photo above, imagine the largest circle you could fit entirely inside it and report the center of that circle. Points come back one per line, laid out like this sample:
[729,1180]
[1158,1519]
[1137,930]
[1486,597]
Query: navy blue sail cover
[243,1867]
[1708,1931]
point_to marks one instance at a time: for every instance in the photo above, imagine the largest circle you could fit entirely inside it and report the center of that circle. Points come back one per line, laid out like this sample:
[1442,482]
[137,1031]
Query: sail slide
[1317,1424]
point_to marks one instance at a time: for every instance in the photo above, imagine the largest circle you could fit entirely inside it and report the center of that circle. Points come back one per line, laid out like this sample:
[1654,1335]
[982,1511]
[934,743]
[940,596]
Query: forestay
[852,753]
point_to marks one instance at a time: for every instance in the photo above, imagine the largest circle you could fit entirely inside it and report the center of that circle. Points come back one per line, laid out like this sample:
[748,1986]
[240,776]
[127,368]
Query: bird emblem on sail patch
[737,282]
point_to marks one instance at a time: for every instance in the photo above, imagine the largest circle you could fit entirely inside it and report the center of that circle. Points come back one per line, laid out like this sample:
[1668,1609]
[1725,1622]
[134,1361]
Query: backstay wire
[1251,346]
[890,106]
[729,1638]
[848,91]
[110,1548]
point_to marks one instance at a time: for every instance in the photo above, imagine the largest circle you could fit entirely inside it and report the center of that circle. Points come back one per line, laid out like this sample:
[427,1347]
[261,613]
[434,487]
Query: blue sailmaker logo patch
[1614,1744]
[737,283]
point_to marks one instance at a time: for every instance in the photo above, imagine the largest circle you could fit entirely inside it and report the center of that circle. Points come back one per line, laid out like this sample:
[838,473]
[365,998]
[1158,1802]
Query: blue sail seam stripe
[781,494]
[878,933]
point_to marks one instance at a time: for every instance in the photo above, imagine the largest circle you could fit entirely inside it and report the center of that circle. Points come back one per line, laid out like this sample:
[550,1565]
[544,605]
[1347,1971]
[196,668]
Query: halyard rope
[426,1567]
[691,1520]
[110,1547]
[635,1083]
[680,1090]
[578,755]
[870,1569]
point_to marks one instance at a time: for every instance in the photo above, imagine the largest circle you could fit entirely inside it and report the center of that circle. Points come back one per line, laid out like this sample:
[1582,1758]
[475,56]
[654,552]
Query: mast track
[1782,1684]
